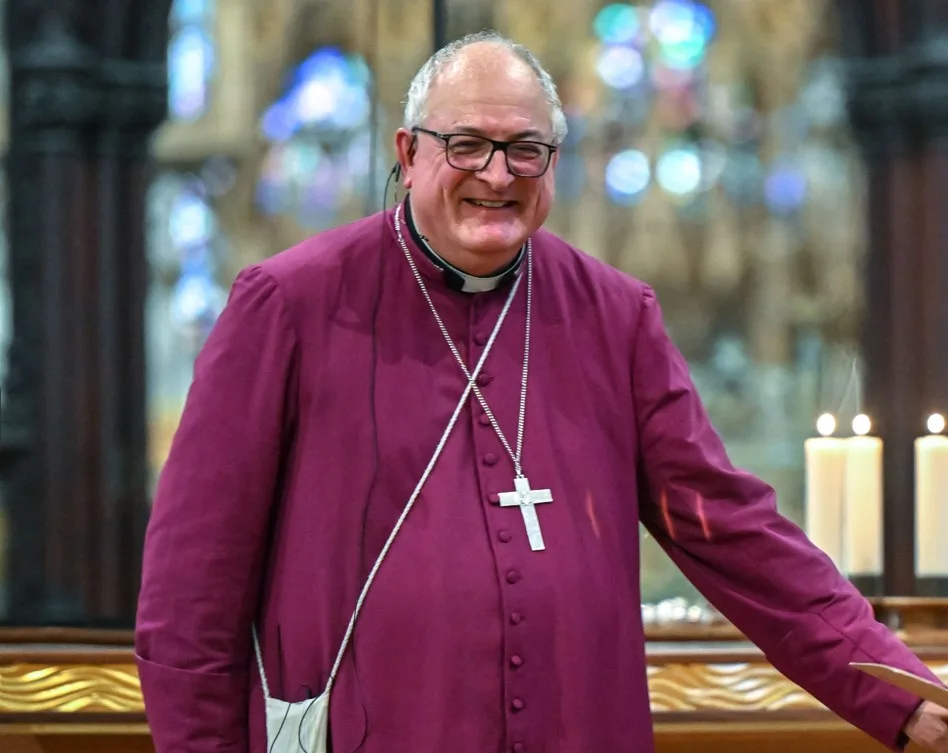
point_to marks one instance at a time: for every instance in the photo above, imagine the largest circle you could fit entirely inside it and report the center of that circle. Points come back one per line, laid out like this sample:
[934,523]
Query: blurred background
[711,153]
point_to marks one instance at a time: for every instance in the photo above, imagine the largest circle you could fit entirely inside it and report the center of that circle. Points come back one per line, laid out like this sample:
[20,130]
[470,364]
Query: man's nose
[495,173]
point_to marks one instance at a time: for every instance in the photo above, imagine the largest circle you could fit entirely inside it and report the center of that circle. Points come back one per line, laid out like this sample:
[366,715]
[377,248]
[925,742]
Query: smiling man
[414,461]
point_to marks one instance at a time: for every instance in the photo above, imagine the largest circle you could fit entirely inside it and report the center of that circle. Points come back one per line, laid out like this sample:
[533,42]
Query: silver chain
[457,355]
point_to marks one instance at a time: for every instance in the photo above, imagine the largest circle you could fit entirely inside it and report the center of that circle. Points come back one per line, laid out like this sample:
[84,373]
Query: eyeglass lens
[473,153]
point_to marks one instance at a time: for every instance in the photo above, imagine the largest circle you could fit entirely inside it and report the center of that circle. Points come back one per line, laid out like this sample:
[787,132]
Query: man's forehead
[513,121]
[484,96]
[486,70]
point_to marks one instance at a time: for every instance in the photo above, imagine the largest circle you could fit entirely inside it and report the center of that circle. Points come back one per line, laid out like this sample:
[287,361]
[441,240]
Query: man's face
[487,92]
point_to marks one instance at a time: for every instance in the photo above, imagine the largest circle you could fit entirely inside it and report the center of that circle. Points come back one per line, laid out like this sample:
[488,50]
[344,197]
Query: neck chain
[514,456]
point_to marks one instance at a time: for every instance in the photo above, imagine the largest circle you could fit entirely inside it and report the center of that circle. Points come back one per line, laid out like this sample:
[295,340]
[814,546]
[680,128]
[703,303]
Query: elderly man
[414,461]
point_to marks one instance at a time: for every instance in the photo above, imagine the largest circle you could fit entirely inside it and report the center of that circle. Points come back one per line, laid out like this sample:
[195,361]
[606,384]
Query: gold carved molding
[689,686]
[708,687]
[70,688]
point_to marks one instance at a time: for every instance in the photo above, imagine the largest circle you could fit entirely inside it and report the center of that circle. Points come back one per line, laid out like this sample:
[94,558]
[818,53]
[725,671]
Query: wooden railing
[78,692]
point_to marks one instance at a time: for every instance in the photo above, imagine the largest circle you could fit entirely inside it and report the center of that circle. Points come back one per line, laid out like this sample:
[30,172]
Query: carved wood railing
[95,682]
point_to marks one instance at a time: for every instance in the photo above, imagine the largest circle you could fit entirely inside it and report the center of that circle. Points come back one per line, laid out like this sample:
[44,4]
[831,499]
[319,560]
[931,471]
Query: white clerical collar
[473,283]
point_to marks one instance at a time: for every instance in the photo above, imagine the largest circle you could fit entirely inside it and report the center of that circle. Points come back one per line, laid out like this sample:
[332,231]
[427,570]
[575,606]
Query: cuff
[194,711]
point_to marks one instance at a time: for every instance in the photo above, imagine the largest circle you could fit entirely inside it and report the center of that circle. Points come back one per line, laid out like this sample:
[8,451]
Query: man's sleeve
[721,528]
[207,537]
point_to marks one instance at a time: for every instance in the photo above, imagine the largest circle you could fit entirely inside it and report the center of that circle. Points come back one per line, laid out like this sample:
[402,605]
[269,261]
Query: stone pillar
[88,87]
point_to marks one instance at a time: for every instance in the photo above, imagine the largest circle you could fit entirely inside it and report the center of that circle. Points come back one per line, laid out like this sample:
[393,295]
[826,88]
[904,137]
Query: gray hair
[420,88]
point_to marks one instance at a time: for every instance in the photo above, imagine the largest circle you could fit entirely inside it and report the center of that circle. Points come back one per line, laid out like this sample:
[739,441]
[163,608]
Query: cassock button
[490,459]
[481,338]
[517,704]
[484,419]
[519,747]
[516,662]
[494,498]
[516,618]
[504,536]
[512,576]
[484,379]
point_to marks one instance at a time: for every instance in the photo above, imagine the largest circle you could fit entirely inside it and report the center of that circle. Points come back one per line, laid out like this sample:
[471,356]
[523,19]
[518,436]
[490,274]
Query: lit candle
[931,500]
[825,479]
[862,508]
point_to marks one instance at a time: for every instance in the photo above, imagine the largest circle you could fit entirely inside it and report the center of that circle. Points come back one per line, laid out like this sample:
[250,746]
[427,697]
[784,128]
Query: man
[497,620]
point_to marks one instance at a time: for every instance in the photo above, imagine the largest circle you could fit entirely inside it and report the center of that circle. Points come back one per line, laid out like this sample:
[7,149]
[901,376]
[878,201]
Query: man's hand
[928,727]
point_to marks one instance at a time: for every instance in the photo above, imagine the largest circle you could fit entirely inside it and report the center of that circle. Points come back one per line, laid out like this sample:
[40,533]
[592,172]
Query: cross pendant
[525,498]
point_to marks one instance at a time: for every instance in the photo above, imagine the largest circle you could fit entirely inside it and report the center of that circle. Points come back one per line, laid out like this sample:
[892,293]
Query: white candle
[825,483]
[931,501]
[862,508]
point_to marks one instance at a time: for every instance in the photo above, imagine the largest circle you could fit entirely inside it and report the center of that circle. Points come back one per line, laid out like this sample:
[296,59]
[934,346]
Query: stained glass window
[709,156]
[653,59]
[323,141]
[191,58]
[186,254]
[187,251]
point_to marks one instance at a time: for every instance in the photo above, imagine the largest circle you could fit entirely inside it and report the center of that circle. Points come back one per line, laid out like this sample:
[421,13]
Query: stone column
[88,87]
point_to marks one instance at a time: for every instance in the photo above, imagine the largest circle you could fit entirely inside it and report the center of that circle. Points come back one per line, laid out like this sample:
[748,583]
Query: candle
[931,500]
[825,479]
[862,507]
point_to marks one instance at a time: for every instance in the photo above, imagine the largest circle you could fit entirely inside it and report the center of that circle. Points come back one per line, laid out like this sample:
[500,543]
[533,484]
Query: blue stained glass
[682,22]
[620,67]
[191,221]
[617,24]
[785,190]
[322,63]
[318,130]
[185,12]
[279,122]
[627,176]
[684,53]
[190,63]
[679,171]
[197,260]
[704,18]
[328,90]
[196,302]
[270,197]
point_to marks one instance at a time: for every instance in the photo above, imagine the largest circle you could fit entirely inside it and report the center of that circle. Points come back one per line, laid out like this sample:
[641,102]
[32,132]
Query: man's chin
[494,245]
[496,238]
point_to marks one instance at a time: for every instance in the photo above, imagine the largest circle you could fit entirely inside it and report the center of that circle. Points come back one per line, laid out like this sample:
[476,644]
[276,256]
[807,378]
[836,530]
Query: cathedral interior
[773,168]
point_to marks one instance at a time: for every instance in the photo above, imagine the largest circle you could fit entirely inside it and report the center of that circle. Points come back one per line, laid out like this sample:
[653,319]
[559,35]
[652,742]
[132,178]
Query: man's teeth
[490,204]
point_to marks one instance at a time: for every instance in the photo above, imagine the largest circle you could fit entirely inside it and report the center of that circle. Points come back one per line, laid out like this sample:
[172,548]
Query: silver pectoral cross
[525,498]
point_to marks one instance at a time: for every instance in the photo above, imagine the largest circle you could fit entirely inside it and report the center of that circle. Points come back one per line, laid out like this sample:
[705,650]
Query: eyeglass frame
[496,146]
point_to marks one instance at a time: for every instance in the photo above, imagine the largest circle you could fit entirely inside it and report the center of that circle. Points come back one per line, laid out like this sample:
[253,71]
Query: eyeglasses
[463,151]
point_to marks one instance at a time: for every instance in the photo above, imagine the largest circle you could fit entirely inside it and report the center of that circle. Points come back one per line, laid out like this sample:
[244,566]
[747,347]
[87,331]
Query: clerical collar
[455,278]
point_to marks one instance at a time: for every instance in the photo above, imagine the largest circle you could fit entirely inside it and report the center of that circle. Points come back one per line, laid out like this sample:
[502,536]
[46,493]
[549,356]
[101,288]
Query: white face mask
[298,727]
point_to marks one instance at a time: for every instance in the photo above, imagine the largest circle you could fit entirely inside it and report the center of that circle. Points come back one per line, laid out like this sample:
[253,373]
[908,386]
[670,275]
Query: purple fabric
[316,405]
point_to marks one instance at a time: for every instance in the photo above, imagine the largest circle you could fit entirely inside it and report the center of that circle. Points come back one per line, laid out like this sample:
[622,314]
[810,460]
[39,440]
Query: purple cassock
[316,405]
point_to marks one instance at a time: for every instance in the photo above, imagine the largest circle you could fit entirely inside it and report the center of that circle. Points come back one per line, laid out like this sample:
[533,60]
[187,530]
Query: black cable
[439,24]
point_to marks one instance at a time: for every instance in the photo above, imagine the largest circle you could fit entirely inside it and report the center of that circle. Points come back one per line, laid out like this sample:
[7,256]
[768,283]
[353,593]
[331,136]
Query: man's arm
[721,528]
[207,537]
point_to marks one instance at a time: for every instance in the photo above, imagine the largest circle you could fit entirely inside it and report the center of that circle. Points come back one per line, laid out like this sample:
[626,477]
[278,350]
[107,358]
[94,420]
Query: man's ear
[405,154]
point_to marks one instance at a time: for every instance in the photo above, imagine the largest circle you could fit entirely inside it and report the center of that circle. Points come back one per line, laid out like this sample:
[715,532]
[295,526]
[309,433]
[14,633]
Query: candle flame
[936,423]
[826,424]
[861,425]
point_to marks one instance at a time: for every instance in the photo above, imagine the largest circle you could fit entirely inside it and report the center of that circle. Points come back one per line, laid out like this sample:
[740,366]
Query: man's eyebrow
[530,134]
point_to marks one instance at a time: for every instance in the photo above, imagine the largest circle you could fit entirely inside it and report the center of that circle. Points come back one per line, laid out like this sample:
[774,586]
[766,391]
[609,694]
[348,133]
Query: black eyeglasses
[464,151]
